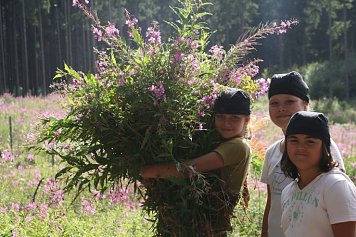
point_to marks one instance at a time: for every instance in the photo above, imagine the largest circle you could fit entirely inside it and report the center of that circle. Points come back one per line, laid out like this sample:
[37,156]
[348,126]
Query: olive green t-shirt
[236,154]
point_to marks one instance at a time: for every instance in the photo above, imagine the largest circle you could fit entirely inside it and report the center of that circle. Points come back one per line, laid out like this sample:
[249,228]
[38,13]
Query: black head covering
[291,83]
[233,101]
[309,123]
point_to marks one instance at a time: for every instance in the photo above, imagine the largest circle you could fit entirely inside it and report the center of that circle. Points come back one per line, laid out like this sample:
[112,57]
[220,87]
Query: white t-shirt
[330,198]
[273,175]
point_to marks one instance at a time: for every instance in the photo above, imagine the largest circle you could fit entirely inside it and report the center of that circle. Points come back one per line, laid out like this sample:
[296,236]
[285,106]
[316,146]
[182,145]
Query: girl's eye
[273,104]
[310,142]
[292,141]
[290,102]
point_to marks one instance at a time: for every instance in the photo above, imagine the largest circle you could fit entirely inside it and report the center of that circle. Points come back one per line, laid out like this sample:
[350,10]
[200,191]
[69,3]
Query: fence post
[10,125]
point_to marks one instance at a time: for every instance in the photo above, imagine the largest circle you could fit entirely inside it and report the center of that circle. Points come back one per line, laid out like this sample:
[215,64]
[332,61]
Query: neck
[307,176]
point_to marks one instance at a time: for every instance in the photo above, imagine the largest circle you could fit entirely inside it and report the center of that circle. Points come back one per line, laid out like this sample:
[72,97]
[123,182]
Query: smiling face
[231,125]
[304,151]
[283,106]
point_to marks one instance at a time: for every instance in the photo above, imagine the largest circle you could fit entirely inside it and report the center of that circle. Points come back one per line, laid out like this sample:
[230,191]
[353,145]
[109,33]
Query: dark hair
[326,162]
[233,101]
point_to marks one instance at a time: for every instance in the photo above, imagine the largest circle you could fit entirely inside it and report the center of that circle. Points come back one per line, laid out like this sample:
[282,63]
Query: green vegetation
[118,213]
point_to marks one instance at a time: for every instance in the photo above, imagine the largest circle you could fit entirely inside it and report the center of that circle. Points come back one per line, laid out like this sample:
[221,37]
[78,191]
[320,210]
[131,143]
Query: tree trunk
[59,43]
[26,90]
[3,84]
[43,68]
[331,92]
[346,72]
[16,59]
[68,36]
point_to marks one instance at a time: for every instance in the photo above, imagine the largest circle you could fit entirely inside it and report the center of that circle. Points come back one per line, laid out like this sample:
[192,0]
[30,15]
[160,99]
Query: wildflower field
[32,202]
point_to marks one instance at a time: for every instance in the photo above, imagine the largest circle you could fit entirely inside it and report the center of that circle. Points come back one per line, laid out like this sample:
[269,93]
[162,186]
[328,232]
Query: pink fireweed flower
[57,132]
[88,207]
[252,69]
[153,35]
[7,155]
[178,57]
[217,51]
[31,206]
[43,211]
[209,100]
[194,44]
[158,91]
[200,126]
[201,113]
[131,22]
[192,81]
[28,219]
[111,30]
[263,85]
[98,34]
[15,206]
[57,196]
[101,65]
[99,196]
[236,76]
[75,82]
[194,63]
[284,26]
[75,3]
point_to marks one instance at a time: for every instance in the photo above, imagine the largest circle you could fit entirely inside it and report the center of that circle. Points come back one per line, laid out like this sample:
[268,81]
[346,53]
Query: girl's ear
[306,106]
[248,117]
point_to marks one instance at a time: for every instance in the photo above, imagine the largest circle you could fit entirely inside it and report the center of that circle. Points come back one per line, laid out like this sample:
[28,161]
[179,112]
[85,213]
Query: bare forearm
[344,229]
[159,171]
[264,231]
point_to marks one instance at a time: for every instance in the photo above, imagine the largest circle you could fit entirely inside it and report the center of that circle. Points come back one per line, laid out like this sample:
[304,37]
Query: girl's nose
[281,107]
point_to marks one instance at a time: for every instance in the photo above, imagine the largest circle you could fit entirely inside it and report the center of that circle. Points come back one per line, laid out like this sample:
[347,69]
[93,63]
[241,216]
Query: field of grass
[116,213]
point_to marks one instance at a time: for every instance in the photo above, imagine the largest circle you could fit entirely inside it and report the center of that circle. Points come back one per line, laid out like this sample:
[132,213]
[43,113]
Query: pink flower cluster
[153,35]
[282,28]
[158,91]
[98,34]
[217,51]
[88,207]
[7,155]
[111,30]
[76,3]
[263,85]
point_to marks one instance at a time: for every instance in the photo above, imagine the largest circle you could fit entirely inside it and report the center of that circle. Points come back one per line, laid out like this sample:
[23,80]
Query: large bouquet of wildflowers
[150,102]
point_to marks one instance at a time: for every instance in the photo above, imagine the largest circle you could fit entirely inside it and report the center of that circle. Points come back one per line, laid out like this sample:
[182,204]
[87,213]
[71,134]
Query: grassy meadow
[32,202]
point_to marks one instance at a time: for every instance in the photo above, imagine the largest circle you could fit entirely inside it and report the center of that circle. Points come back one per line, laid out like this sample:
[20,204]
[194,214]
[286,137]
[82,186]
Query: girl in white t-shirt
[287,94]
[321,200]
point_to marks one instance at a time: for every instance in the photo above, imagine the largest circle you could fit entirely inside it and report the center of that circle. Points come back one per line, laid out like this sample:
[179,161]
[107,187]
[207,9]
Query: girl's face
[304,151]
[283,106]
[231,125]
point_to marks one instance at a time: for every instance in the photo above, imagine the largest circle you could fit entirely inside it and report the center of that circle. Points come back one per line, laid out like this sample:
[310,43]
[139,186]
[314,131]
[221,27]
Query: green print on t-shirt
[297,204]
[308,197]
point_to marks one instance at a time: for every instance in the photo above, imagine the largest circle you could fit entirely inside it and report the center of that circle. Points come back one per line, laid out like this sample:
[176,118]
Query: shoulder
[335,178]
[234,147]
[273,151]
[335,153]
[275,146]
[289,188]
[235,142]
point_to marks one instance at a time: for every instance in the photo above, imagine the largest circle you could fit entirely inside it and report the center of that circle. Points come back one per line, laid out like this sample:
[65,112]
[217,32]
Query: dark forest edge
[38,36]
